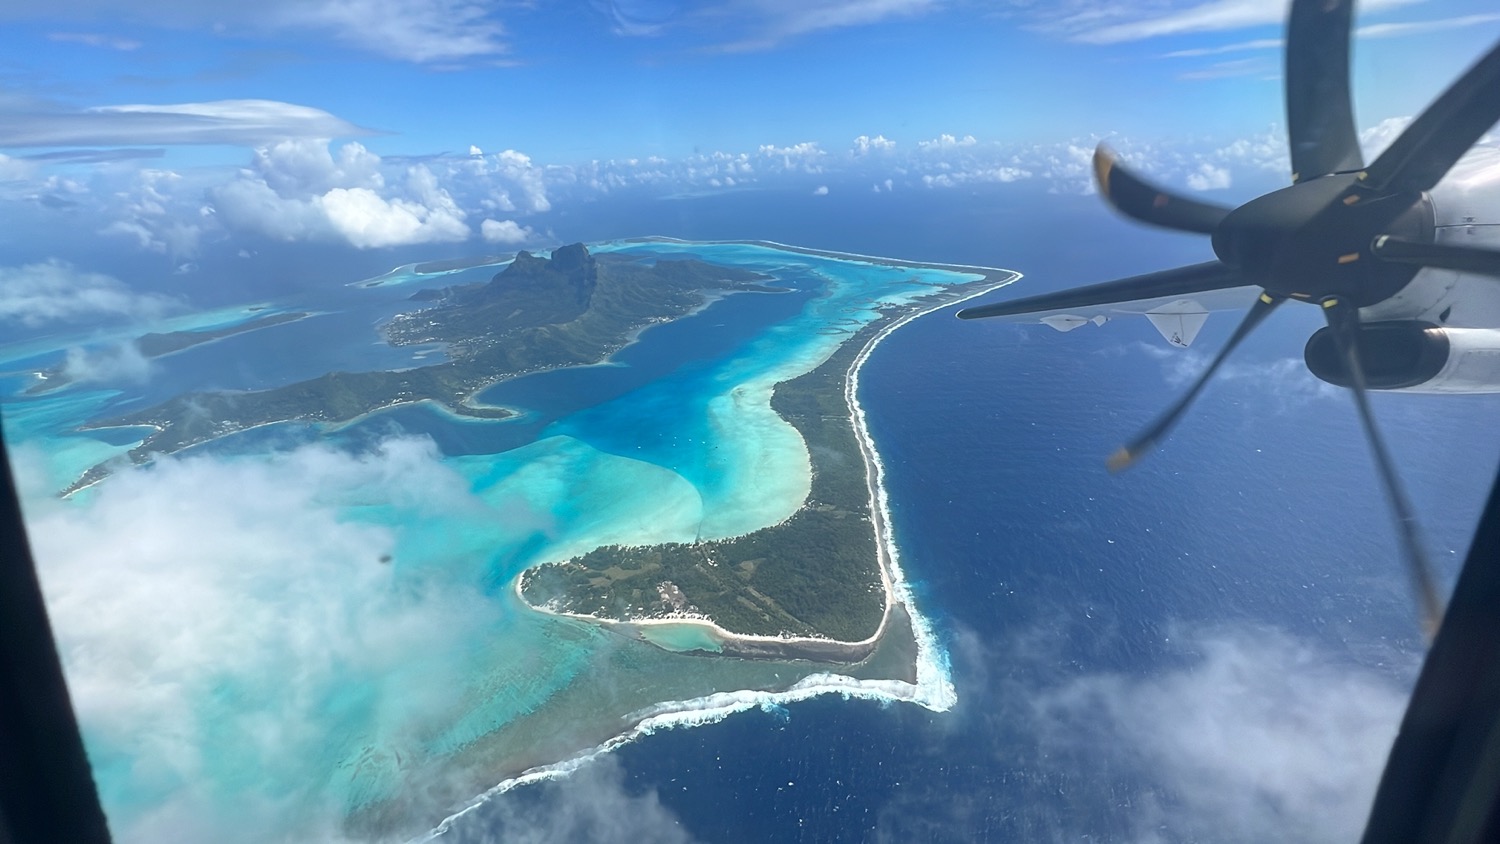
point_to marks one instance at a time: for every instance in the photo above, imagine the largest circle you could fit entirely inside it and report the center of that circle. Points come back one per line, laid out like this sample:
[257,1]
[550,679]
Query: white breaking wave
[933,689]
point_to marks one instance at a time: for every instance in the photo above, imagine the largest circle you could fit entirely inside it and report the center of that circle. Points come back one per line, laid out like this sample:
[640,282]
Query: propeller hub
[1312,240]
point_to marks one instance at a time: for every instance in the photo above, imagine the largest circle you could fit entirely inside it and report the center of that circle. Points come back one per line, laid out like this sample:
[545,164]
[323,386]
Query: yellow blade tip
[1104,161]
[1120,460]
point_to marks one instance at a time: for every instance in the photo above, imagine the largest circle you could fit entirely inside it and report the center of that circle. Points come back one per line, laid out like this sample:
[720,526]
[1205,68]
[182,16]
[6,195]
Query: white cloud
[820,190]
[15,169]
[197,627]
[864,144]
[94,39]
[768,23]
[235,122]
[1238,47]
[510,181]
[475,152]
[1261,734]
[369,221]
[1208,177]
[56,291]
[1255,66]
[425,31]
[306,165]
[1097,23]
[947,142]
[805,157]
[299,191]
[1393,30]
[594,805]
[507,232]
[113,364]
[1375,139]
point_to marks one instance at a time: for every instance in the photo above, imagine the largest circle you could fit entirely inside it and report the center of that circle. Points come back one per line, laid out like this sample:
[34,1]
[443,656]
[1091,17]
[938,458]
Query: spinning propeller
[1343,236]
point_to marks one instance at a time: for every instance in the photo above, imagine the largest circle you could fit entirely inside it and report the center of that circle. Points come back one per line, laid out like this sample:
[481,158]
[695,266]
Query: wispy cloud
[746,26]
[422,31]
[1095,23]
[1374,30]
[1262,734]
[234,122]
[56,291]
[1238,47]
[1258,65]
[1392,30]
[95,39]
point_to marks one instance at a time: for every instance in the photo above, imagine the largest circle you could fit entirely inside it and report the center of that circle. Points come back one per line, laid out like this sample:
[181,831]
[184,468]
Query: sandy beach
[896,589]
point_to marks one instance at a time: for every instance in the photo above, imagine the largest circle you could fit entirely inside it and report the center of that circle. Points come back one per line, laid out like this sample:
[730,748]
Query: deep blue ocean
[1214,646]
[1118,643]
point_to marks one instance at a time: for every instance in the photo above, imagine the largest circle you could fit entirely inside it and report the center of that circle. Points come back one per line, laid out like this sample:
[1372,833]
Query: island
[816,586]
[537,314]
[160,344]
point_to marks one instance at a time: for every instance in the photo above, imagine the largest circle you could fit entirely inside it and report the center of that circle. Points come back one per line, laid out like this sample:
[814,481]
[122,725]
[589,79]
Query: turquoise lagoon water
[272,634]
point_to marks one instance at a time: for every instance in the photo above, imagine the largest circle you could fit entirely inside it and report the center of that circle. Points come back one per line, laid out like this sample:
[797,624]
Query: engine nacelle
[1414,357]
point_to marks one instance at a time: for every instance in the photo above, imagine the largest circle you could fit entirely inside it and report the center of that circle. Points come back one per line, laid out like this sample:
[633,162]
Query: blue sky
[174,126]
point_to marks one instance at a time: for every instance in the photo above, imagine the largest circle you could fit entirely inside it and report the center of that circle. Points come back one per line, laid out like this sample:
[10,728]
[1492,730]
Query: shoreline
[896,589]
[931,689]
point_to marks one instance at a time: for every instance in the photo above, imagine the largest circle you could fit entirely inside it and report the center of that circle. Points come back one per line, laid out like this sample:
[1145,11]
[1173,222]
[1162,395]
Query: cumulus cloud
[1208,177]
[309,166]
[946,142]
[1262,734]
[864,144]
[820,190]
[234,122]
[298,190]
[514,177]
[507,232]
[200,631]
[56,291]
[1375,139]
[805,157]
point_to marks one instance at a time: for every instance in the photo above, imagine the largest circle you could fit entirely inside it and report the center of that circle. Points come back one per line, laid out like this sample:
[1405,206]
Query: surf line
[932,690]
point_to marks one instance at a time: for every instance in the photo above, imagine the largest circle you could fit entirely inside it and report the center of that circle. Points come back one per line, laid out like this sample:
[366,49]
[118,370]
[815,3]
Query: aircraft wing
[1184,297]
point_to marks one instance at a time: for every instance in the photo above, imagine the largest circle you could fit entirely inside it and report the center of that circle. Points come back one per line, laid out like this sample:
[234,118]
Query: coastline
[929,684]
[897,592]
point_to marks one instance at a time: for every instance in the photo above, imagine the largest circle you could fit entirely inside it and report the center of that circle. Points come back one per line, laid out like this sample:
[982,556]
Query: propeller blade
[1439,137]
[1135,197]
[1182,281]
[1440,256]
[1138,447]
[1319,117]
[1344,323]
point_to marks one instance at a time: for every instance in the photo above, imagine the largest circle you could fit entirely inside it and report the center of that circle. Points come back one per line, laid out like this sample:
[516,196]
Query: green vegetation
[535,315]
[156,345]
[816,574]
